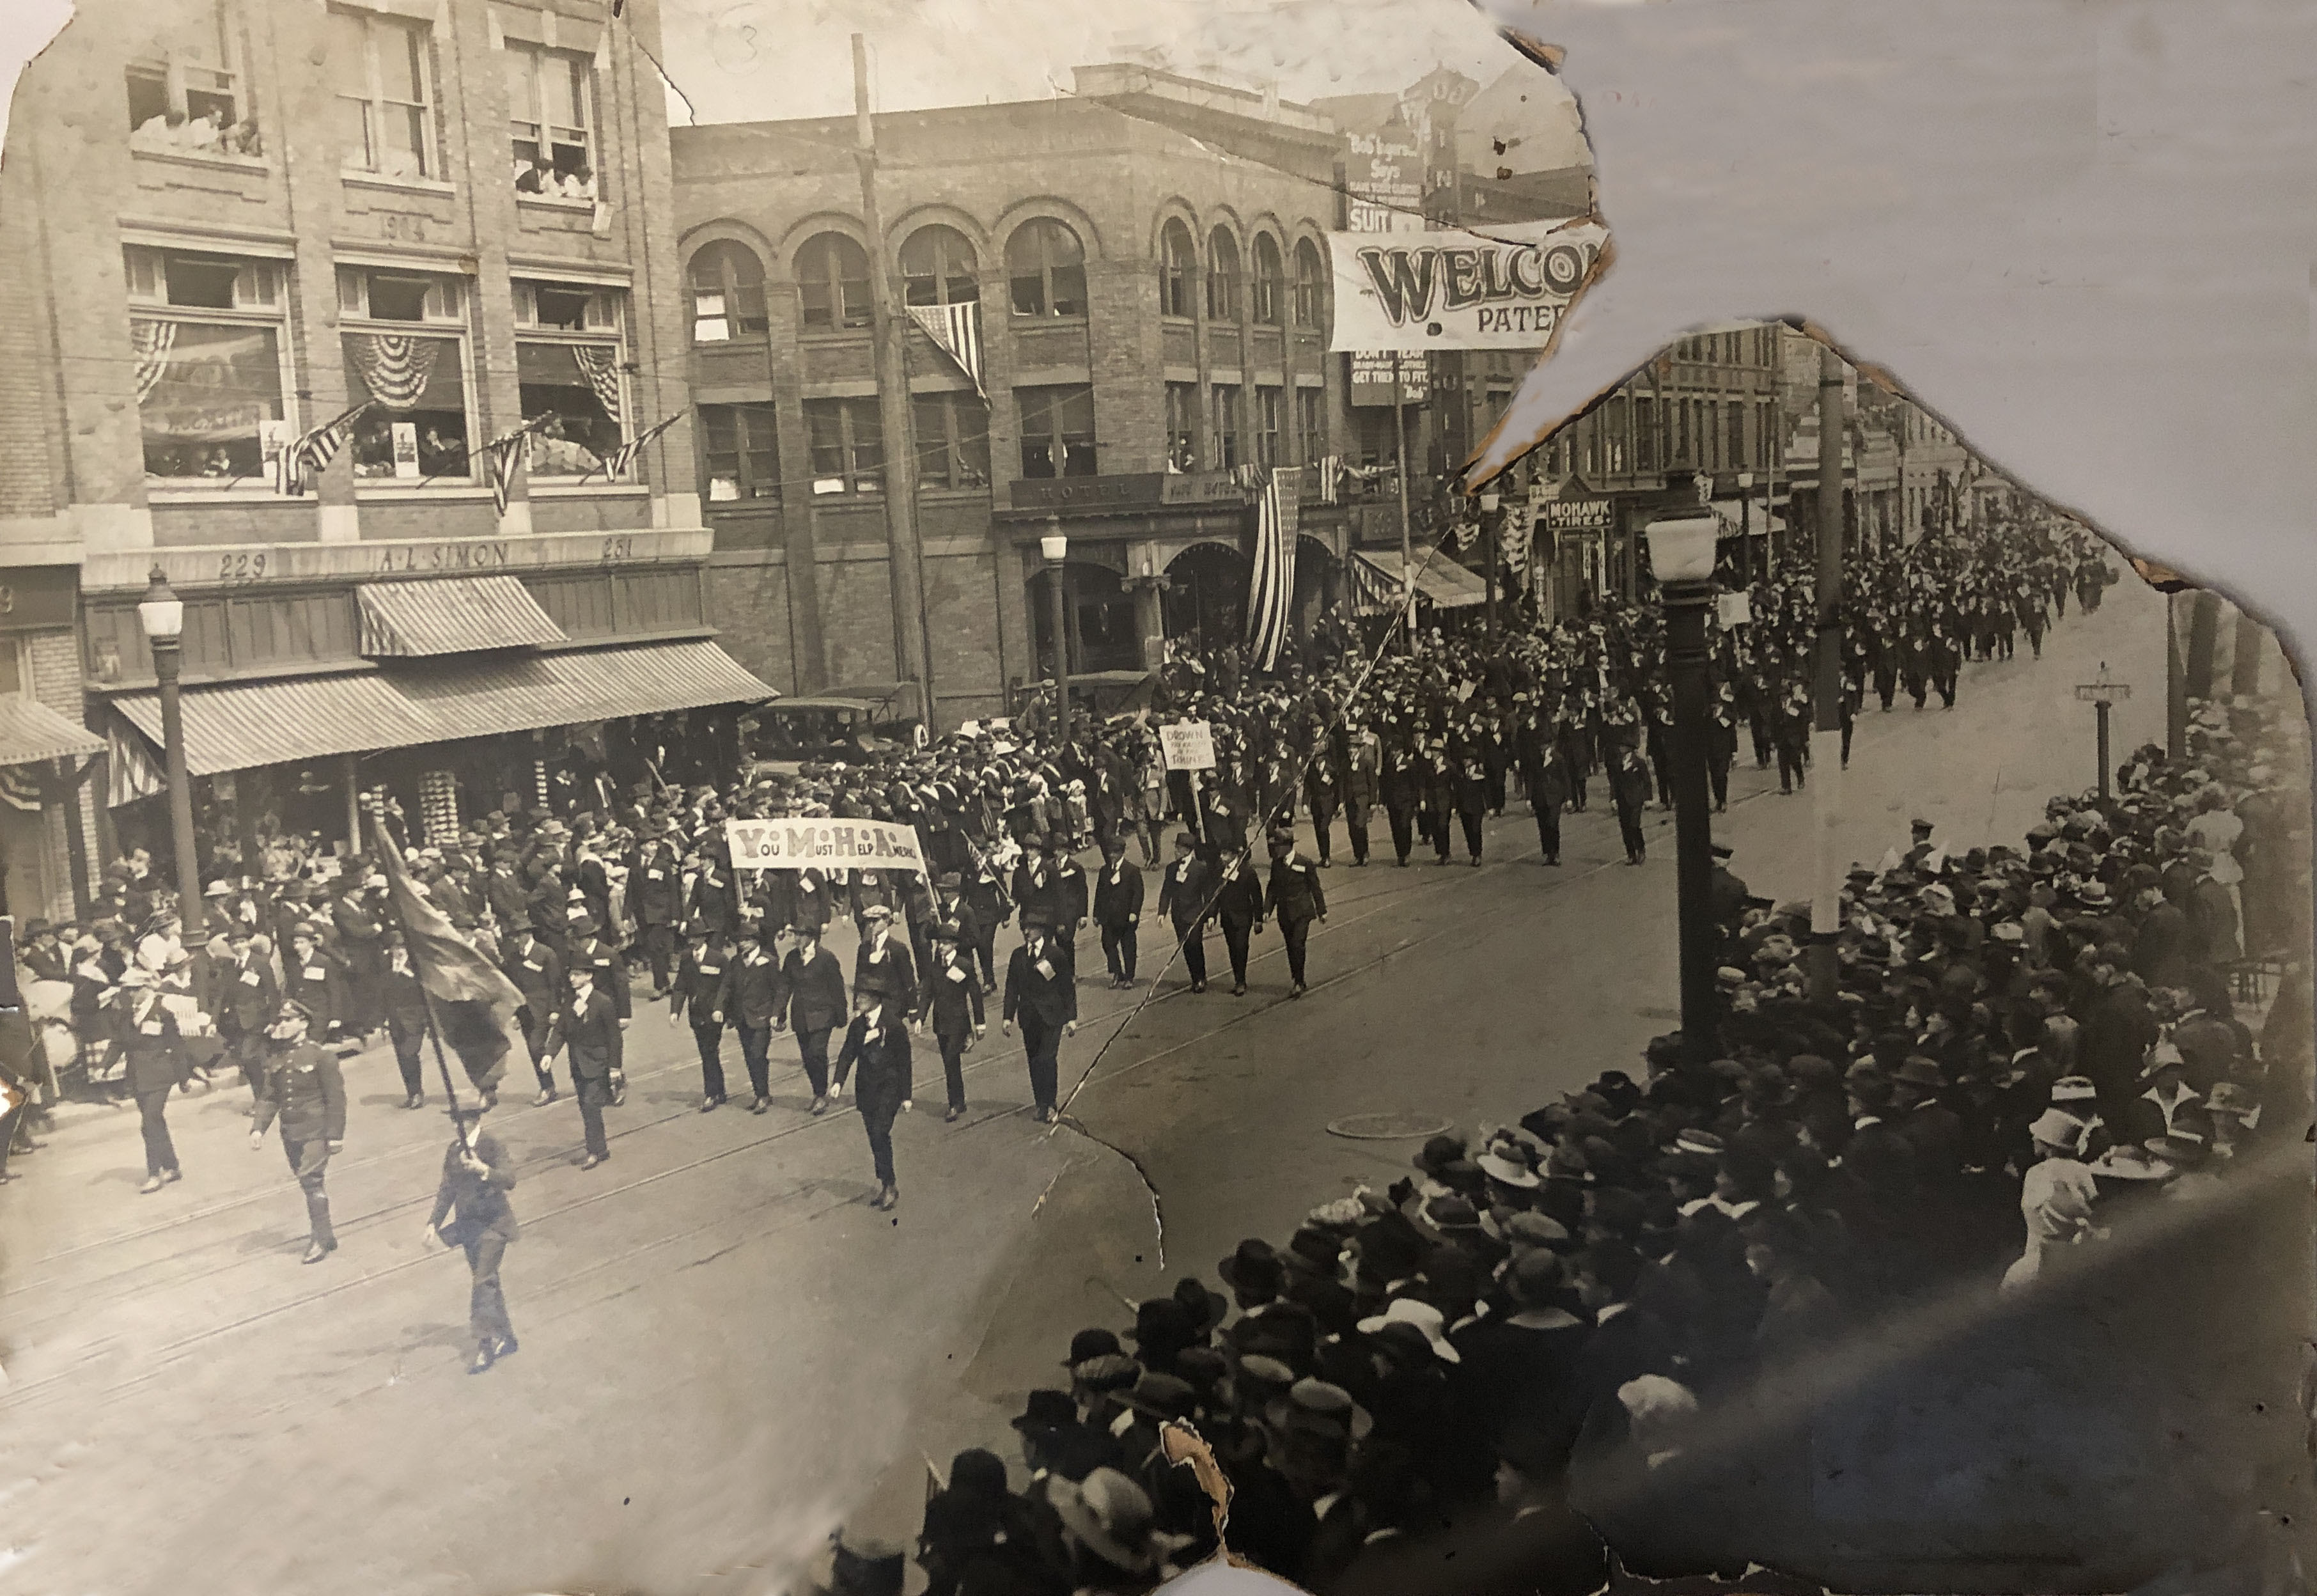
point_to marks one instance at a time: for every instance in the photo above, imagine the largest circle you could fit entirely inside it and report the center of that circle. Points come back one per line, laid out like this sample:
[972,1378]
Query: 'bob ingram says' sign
[1458,290]
[824,845]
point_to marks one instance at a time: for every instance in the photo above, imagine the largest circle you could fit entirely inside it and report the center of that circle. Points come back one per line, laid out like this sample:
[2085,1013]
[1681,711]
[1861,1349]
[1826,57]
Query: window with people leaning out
[405,337]
[551,96]
[206,339]
[570,356]
[1057,430]
[185,92]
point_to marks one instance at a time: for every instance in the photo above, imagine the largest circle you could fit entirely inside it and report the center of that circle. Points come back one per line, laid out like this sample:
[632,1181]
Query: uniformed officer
[301,1084]
[1295,900]
[537,972]
[877,1041]
[588,1024]
[701,990]
[476,1176]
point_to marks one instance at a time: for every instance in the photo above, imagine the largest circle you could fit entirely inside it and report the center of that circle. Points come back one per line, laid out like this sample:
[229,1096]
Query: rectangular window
[1736,445]
[185,94]
[570,366]
[549,100]
[1182,426]
[382,70]
[739,455]
[1311,422]
[1228,451]
[1267,449]
[1057,430]
[952,440]
[415,428]
[1645,434]
[848,439]
[207,345]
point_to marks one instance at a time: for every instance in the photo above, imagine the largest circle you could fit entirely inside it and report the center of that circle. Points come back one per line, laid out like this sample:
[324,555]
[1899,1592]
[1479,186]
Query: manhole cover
[1387,1127]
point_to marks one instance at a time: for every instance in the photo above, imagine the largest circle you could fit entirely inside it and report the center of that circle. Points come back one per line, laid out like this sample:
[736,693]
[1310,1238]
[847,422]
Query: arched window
[938,267]
[1270,281]
[1047,267]
[1222,277]
[1310,286]
[1179,271]
[727,292]
[833,282]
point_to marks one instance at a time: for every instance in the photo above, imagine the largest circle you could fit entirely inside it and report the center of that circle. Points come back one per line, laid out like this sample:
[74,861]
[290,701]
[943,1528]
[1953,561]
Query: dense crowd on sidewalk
[2028,1042]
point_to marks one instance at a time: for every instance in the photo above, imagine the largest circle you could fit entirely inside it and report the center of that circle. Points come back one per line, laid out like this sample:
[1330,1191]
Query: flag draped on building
[1272,596]
[617,463]
[956,332]
[472,1004]
[502,455]
[1332,479]
[309,454]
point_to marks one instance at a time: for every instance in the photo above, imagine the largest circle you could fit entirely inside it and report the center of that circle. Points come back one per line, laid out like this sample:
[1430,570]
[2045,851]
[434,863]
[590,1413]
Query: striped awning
[1439,580]
[236,726]
[450,615]
[31,733]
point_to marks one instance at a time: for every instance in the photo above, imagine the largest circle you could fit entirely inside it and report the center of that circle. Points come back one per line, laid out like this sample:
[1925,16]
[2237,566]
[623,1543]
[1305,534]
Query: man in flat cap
[301,1083]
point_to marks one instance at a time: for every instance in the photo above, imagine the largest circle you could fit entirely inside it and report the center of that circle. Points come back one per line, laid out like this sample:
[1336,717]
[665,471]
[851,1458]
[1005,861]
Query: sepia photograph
[909,798]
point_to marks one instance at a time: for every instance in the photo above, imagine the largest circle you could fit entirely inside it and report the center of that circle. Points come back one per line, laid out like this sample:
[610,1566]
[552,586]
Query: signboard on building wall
[1575,515]
[36,598]
[1455,290]
[1383,179]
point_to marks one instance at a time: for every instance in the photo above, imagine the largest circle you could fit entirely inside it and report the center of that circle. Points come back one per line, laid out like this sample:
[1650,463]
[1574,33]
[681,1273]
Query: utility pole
[1407,534]
[912,650]
[1826,721]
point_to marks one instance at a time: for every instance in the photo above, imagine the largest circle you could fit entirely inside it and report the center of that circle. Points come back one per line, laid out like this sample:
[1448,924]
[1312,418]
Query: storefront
[463,677]
[45,752]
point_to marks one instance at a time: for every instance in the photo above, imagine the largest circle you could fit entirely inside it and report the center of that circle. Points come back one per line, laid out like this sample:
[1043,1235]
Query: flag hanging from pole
[956,332]
[309,454]
[616,463]
[500,459]
[474,1003]
[1272,594]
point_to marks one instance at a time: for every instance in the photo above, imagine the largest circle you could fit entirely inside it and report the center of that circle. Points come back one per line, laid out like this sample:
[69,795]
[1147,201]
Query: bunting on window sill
[956,332]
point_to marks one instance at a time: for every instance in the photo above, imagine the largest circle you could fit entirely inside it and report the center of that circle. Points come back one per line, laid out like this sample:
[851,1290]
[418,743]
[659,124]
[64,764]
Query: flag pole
[390,850]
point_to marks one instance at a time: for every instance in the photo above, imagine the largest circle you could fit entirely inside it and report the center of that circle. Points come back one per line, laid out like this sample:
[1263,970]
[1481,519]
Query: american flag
[1273,592]
[309,454]
[956,330]
[616,463]
[502,455]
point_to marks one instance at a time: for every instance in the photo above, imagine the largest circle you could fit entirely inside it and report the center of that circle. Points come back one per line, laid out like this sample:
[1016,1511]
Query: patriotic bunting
[309,454]
[956,331]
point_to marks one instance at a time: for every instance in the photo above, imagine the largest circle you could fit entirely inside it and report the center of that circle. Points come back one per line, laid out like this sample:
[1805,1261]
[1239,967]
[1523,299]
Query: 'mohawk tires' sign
[1503,290]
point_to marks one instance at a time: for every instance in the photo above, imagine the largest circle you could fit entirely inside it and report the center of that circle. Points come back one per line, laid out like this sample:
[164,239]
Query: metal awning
[450,615]
[235,726]
[31,733]
[1439,580]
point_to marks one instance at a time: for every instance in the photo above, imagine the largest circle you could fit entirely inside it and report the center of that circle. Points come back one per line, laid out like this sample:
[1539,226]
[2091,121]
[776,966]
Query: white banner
[824,845]
[1457,290]
[1187,744]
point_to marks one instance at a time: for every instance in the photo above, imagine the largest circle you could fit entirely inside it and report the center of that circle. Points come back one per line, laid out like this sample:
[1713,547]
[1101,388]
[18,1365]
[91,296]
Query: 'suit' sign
[824,845]
[1458,290]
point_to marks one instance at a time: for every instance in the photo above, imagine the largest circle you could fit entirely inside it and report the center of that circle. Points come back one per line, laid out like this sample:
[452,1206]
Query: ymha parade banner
[824,845]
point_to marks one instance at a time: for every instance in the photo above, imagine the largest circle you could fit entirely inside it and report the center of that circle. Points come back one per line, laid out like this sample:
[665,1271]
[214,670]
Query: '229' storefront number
[241,568]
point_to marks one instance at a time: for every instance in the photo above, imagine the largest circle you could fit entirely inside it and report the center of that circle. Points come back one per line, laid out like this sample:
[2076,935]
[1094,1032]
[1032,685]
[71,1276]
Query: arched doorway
[1318,577]
[1100,620]
[1205,602]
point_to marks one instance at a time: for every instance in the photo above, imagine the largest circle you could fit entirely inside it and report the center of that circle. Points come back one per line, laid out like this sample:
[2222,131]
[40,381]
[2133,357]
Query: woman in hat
[1111,1533]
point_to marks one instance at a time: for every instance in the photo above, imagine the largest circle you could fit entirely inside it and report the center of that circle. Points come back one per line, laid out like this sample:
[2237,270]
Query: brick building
[473,242]
[1149,260]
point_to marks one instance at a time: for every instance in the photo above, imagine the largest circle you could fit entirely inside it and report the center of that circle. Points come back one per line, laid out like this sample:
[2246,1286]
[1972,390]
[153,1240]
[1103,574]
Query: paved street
[182,1396]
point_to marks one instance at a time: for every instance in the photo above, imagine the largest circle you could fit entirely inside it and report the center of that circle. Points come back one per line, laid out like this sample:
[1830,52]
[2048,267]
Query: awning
[1439,580]
[454,615]
[1738,520]
[234,726]
[31,733]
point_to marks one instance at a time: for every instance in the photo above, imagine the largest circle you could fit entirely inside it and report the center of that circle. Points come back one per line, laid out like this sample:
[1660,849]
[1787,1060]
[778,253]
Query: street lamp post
[1681,559]
[162,614]
[2103,693]
[1056,547]
[1488,503]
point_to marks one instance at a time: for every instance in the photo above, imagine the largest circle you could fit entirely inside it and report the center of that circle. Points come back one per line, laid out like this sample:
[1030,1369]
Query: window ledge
[377,492]
[588,489]
[257,492]
[254,165]
[555,202]
[417,185]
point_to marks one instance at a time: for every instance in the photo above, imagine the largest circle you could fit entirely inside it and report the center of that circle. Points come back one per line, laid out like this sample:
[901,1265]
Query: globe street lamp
[162,614]
[1681,559]
[1055,546]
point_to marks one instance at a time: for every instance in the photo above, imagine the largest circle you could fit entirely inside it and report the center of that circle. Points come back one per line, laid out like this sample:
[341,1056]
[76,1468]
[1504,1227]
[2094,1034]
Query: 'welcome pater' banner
[824,845]
[1505,290]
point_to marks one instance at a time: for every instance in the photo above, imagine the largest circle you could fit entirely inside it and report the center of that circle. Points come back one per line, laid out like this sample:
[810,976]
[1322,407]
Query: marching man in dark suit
[537,972]
[952,1003]
[610,978]
[149,1042]
[755,1003]
[1040,992]
[703,990]
[402,1004]
[1118,910]
[1183,899]
[815,987]
[476,1176]
[877,1041]
[883,959]
[247,998]
[302,1085]
[588,1024]
[1295,900]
